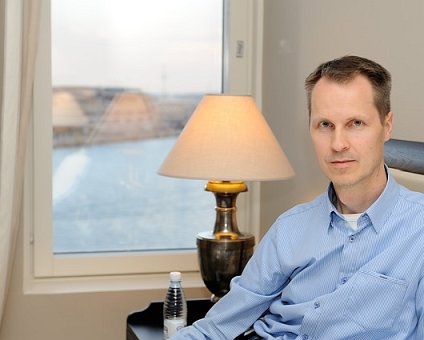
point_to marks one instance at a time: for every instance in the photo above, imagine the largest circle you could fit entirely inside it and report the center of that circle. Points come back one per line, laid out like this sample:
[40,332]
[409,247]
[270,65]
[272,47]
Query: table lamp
[227,142]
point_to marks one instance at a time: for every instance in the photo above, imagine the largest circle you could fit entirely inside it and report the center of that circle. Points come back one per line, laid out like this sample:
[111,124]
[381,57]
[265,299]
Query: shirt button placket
[344,279]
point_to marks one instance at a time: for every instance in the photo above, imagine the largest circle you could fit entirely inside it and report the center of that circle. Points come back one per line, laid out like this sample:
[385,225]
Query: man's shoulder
[317,206]
[309,217]
[412,197]
[410,207]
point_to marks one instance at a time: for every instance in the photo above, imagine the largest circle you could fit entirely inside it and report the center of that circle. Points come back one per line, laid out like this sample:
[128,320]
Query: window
[86,136]
[125,82]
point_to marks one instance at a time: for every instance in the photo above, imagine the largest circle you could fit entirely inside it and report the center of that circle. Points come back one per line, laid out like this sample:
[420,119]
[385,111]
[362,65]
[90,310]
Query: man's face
[347,133]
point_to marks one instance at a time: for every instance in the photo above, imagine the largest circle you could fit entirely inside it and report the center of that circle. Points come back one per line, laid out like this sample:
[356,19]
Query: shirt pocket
[375,300]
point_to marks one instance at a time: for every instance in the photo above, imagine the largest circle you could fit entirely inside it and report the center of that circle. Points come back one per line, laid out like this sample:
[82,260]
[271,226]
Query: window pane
[126,76]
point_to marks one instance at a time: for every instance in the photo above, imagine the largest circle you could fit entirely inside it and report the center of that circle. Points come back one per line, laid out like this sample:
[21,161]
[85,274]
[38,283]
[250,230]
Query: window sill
[106,283]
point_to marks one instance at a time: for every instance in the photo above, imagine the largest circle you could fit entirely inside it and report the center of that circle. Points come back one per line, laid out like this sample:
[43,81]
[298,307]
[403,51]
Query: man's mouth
[340,163]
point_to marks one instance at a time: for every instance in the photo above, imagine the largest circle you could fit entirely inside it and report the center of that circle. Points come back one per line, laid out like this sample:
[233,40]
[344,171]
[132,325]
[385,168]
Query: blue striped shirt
[313,277]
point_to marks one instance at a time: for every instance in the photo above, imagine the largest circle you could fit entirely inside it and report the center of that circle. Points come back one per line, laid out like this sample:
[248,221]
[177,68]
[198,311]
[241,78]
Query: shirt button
[317,305]
[351,238]
[305,337]
[344,280]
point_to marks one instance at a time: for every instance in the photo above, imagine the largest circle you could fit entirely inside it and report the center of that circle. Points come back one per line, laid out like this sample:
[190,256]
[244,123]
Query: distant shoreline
[83,115]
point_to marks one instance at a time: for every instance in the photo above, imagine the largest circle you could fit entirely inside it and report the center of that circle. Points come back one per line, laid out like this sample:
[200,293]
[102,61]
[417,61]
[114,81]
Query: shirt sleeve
[250,296]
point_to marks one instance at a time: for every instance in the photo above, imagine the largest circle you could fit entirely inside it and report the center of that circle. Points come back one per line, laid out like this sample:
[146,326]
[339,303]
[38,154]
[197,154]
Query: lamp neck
[226,195]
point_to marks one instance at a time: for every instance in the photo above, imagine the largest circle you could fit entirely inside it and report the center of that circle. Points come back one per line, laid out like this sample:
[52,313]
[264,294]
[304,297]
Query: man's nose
[339,140]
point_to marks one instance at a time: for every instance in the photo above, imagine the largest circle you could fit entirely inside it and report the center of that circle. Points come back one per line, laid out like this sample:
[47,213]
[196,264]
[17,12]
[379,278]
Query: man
[349,264]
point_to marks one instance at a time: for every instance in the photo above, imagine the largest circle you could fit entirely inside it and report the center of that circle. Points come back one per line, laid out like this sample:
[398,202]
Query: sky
[157,46]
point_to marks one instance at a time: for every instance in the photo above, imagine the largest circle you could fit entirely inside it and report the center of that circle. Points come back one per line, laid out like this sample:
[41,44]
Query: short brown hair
[343,70]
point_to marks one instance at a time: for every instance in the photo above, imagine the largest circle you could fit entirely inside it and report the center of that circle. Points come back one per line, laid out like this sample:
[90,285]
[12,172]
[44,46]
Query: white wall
[299,34]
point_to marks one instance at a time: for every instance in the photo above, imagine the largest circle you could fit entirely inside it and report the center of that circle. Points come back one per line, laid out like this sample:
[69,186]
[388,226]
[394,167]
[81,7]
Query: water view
[108,197]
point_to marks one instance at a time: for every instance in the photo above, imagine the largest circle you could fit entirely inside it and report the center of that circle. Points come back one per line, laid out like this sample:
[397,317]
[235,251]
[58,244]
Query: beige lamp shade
[227,139]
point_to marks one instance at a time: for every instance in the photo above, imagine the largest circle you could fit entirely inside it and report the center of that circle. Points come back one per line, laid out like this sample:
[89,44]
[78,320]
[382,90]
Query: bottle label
[170,327]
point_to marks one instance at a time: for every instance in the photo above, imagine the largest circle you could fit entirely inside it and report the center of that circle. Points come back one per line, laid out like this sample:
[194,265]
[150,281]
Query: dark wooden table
[147,324]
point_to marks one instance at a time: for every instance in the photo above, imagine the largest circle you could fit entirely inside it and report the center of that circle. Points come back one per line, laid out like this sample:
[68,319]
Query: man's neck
[349,204]
[357,199]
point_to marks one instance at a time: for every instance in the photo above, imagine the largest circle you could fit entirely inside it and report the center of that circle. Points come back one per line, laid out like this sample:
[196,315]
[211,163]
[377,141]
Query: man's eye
[357,123]
[324,125]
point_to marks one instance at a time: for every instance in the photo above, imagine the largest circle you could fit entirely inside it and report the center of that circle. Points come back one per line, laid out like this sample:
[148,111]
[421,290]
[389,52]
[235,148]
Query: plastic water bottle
[174,307]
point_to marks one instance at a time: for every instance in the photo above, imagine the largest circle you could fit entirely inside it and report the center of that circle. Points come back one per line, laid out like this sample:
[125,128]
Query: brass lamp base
[222,259]
[224,253]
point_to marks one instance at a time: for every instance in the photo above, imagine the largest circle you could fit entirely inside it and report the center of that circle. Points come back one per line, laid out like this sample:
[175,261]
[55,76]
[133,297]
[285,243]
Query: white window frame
[43,271]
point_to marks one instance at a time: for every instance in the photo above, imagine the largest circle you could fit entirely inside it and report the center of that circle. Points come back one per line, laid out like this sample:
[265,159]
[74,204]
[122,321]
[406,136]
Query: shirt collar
[380,210]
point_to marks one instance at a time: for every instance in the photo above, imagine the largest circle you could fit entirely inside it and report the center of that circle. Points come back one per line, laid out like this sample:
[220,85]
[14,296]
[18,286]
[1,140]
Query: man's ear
[388,126]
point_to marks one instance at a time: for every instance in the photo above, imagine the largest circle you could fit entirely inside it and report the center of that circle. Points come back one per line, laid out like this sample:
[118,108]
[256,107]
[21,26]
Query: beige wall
[94,316]
[299,34]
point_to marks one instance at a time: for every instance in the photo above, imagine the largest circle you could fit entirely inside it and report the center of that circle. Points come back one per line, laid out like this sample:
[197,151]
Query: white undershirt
[352,219]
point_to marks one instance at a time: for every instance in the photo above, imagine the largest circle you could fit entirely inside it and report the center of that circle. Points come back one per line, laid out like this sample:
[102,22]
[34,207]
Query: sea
[109,198]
